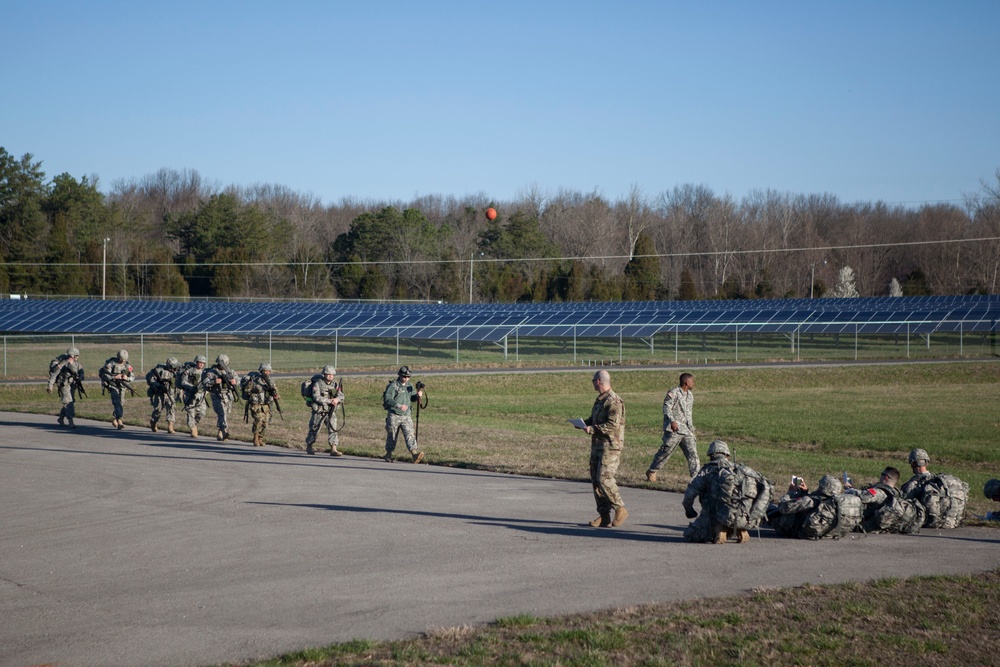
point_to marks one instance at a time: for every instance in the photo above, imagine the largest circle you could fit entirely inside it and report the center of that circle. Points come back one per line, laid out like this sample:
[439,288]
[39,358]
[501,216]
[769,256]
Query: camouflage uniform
[827,513]
[161,380]
[914,487]
[885,510]
[220,383]
[260,393]
[607,417]
[678,405]
[324,412]
[399,394]
[189,380]
[67,376]
[114,373]
[702,528]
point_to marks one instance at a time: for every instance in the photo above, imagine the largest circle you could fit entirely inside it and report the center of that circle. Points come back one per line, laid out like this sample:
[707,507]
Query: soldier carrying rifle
[66,373]
[260,393]
[116,377]
[162,379]
[323,394]
[220,383]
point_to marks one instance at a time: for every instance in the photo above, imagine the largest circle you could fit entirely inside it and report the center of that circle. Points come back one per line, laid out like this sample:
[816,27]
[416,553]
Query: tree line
[174,234]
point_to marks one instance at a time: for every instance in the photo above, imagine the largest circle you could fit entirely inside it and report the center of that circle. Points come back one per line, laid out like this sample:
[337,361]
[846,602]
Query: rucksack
[741,496]
[307,388]
[896,515]
[944,497]
[832,517]
[57,362]
[246,383]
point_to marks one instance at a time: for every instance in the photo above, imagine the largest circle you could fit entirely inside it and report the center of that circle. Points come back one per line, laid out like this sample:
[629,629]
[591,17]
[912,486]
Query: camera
[420,385]
[797,481]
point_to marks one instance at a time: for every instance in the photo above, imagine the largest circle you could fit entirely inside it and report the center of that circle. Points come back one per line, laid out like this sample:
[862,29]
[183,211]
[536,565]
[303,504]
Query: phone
[797,481]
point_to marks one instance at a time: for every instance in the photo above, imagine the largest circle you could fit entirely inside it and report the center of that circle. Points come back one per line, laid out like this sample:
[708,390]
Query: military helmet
[404,371]
[222,359]
[718,447]
[72,352]
[919,457]
[829,485]
[265,367]
[201,358]
[173,363]
[123,355]
[992,488]
[329,370]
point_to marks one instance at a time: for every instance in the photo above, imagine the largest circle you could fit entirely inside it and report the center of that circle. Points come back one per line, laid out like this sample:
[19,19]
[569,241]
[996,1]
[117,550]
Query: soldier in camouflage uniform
[826,513]
[161,380]
[919,460]
[678,428]
[885,510]
[326,396]
[116,376]
[397,401]
[67,375]
[733,499]
[702,528]
[220,383]
[606,426]
[189,379]
[260,393]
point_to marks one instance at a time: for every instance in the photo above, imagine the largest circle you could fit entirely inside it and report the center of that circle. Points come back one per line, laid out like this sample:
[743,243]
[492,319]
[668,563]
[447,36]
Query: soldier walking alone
[116,377]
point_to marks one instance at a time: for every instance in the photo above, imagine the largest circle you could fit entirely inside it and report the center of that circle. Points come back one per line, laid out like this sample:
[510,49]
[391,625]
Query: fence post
[336,347]
[855,341]
[142,353]
[574,344]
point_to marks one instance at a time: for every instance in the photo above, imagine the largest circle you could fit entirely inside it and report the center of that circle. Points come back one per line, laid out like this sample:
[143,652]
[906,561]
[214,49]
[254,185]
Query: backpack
[832,517]
[896,515]
[57,363]
[246,384]
[306,389]
[741,496]
[944,497]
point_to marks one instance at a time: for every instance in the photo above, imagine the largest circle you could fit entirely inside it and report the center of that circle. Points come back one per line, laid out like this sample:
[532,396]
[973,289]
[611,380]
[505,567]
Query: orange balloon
[491,214]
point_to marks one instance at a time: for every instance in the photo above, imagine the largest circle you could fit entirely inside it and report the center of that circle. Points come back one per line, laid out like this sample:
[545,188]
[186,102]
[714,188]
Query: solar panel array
[494,322]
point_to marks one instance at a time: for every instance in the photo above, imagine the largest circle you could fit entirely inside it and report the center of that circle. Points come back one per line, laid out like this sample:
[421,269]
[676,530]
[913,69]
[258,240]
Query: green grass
[935,621]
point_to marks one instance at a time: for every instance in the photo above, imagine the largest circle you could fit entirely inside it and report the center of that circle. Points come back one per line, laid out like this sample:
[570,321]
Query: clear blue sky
[895,101]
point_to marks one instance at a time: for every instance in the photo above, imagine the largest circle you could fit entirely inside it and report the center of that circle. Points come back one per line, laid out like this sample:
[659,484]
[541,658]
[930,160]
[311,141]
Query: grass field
[780,421]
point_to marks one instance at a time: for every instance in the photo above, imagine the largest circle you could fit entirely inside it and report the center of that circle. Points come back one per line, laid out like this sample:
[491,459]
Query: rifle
[106,382]
[75,382]
[416,429]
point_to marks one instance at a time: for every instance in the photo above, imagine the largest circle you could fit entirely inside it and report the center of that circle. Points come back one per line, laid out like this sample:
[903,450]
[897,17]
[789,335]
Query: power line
[496,260]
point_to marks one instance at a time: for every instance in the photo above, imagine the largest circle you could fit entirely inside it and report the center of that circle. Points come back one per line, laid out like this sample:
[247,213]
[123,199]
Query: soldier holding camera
[397,400]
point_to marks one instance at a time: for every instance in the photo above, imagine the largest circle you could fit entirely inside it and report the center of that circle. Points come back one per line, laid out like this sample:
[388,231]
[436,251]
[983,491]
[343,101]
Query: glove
[690,513]
[48,389]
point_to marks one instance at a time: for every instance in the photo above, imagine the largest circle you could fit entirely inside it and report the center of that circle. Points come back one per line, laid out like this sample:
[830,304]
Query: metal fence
[27,356]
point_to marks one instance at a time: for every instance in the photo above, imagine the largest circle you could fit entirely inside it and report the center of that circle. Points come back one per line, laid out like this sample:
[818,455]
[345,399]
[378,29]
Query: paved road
[128,547]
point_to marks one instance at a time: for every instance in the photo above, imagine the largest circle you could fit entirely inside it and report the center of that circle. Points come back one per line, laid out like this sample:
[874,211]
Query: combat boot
[218,436]
[603,521]
[650,476]
[418,457]
[335,452]
[225,435]
[152,426]
[121,424]
[61,420]
[387,458]
[256,440]
[720,535]
[194,431]
[620,515]
[71,424]
[743,536]
[310,450]
[114,422]
[170,427]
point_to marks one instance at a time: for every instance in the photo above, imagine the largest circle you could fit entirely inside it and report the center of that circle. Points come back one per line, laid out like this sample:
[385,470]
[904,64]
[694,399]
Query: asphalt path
[129,547]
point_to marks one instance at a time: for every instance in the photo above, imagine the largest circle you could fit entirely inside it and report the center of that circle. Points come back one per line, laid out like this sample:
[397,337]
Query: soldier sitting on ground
[733,499]
[885,510]
[943,496]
